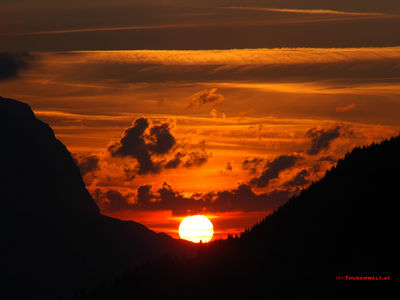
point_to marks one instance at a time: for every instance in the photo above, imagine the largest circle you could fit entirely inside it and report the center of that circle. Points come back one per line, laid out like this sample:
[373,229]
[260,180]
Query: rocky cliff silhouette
[346,224]
[54,239]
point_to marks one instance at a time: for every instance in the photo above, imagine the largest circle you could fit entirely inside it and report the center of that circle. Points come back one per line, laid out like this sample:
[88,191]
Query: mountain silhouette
[54,239]
[346,224]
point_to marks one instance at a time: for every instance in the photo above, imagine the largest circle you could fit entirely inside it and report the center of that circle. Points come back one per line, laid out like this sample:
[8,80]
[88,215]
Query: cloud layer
[196,25]
[240,199]
[326,67]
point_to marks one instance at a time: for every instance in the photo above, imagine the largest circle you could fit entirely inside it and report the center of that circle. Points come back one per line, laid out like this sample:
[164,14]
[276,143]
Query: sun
[196,228]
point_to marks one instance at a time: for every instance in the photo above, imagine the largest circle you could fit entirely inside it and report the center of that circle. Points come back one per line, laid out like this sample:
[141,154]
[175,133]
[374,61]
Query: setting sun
[196,228]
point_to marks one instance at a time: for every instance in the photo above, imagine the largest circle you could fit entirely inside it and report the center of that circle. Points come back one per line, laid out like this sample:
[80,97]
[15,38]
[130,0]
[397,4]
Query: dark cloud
[133,142]
[299,180]
[322,139]
[243,198]
[12,63]
[116,201]
[252,164]
[228,166]
[113,200]
[206,97]
[316,168]
[89,164]
[152,147]
[175,162]
[196,159]
[130,174]
[162,140]
[143,141]
[328,158]
[239,199]
[144,194]
[274,168]
[86,164]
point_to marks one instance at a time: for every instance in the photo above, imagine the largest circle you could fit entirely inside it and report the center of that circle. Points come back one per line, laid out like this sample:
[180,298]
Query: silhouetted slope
[54,239]
[345,224]
[32,158]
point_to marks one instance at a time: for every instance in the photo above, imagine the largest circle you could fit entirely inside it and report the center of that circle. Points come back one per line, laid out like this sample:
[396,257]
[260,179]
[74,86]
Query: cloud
[196,159]
[328,158]
[100,29]
[322,139]
[130,174]
[240,199]
[171,25]
[152,147]
[247,68]
[142,141]
[176,161]
[214,113]
[144,194]
[87,164]
[116,201]
[243,198]
[307,11]
[161,138]
[299,180]
[273,168]
[252,164]
[228,166]
[206,97]
[345,108]
[12,63]
[133,142]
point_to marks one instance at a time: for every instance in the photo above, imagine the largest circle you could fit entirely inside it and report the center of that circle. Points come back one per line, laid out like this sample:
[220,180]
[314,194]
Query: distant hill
[54,241]
[346,224]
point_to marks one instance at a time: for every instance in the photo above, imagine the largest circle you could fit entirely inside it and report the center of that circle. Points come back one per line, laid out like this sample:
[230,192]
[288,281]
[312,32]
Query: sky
[221,108]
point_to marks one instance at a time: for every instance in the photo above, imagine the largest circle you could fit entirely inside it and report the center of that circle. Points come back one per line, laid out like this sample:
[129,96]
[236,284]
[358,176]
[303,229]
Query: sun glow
[196,228]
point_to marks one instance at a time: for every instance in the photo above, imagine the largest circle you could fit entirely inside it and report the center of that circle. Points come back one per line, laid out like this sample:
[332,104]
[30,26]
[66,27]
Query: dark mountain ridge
[55,241]
[346,224]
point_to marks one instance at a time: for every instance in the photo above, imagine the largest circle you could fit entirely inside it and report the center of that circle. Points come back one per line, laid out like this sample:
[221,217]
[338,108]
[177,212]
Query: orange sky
[231,113]
[224,108]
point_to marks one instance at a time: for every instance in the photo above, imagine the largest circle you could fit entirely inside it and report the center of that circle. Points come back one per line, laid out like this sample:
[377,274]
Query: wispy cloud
[307,11]
[345,108]
[65,115]
[206,97]
[99,29]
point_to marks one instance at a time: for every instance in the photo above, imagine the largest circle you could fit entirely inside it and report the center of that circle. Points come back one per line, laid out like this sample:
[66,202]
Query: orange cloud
[307,11]
[243,57]
[206,97]
[345,108]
